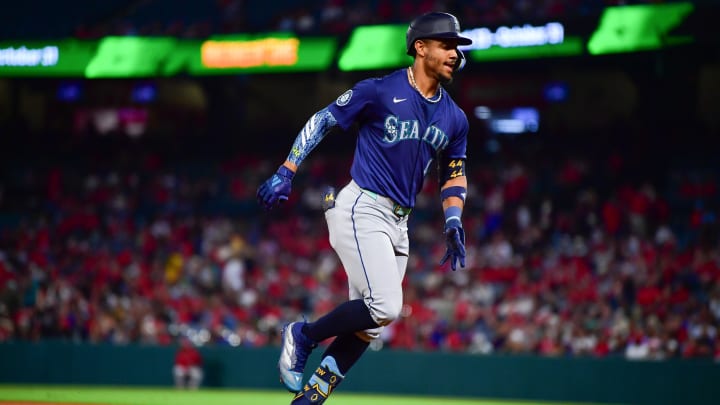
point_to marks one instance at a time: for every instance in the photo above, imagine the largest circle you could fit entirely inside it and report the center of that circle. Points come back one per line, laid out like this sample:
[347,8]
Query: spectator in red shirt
[188,371]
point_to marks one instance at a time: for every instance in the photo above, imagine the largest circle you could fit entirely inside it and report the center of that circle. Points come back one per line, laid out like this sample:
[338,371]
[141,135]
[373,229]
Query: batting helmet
[434,25]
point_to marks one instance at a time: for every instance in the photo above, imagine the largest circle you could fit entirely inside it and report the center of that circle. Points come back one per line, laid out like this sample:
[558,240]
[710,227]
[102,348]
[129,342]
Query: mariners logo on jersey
[397,130]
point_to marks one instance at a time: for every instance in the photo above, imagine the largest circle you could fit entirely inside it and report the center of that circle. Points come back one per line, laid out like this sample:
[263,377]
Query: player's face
[440,58]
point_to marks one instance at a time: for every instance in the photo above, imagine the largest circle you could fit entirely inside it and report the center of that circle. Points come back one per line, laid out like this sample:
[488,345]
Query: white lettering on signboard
[27,57]
[509,37]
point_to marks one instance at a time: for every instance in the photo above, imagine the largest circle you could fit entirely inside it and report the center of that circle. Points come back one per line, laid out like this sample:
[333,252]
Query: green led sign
[52,58]
[265,53]
[638,28]
[130,57]
[383,46]
[570,46]
[621,29]
[121,57]
[375,47]
[521,42]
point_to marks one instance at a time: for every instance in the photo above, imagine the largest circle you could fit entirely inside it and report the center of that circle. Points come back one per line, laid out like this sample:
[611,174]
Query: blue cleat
[296,348]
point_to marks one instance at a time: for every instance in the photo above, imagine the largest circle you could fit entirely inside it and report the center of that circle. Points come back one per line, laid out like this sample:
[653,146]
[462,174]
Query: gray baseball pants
[372,243]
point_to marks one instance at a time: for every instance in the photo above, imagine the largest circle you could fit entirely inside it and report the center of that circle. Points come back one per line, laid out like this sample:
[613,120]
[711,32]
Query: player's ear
[420,47]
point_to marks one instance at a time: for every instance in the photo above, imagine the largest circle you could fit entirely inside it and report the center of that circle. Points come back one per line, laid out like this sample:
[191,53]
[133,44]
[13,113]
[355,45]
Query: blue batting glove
[455,242]
[276,188]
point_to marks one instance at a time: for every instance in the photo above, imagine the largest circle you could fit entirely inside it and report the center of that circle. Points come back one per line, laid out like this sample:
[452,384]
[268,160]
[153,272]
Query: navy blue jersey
[400,134]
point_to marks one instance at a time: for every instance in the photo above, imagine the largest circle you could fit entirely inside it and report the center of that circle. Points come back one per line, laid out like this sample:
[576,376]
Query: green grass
[207,396]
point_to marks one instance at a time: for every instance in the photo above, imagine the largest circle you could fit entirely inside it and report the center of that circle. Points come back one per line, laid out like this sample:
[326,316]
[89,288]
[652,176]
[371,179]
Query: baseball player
[407,121]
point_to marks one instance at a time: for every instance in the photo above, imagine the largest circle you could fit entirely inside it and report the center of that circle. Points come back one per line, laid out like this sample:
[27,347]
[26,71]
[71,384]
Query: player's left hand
[275,189]
[455,242]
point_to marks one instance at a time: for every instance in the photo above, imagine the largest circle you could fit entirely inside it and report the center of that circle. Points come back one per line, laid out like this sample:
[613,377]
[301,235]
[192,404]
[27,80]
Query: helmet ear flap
[460,61]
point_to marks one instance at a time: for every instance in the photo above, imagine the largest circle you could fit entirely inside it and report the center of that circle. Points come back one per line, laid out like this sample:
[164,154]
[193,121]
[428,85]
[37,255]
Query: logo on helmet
[434,25]
[344,98]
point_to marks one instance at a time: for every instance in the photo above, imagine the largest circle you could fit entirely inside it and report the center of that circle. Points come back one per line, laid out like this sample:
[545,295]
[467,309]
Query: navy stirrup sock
[348,317]
[347,350]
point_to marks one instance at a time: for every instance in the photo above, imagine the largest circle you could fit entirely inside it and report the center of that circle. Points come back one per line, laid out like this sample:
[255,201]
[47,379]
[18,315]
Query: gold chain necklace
[412,81]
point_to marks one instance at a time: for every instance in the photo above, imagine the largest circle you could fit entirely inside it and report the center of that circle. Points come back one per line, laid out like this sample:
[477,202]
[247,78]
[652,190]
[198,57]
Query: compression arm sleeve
[315,129]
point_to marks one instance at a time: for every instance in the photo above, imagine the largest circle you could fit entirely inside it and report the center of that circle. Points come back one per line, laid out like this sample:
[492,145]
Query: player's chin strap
[460,61]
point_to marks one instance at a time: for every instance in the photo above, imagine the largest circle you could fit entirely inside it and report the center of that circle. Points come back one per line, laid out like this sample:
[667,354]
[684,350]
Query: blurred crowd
[89,19]
[320,17]
[567,256]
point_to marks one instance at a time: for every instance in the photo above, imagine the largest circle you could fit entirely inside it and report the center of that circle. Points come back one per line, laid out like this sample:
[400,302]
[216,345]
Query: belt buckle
[400,211]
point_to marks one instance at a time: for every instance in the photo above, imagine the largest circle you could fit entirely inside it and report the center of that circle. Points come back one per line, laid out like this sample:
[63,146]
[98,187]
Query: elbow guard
[451,168]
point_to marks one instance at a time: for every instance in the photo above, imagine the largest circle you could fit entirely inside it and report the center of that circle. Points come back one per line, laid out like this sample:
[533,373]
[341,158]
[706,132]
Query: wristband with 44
[275,189]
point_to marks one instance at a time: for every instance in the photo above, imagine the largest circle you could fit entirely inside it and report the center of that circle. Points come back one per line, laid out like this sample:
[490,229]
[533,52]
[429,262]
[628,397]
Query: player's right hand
[275,189]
